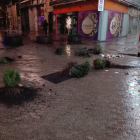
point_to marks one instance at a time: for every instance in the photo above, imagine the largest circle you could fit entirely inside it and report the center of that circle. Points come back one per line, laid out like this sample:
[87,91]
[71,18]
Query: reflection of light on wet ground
[32,78]
[133,94]
[68,50]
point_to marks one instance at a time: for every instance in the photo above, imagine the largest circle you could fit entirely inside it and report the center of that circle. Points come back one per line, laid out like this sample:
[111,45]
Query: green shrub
[108,63]
[80,70]
[11,77]
[3,61]
[59,51]
[98,48]
[99,63]
[84,52]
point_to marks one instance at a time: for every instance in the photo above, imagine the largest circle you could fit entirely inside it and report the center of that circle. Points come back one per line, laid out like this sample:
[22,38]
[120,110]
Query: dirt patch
[135,55]
[17,95]
[9,59]
[117,66]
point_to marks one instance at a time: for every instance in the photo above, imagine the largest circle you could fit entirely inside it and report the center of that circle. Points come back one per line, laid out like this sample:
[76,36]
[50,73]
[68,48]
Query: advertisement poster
[88,24]
[113,24]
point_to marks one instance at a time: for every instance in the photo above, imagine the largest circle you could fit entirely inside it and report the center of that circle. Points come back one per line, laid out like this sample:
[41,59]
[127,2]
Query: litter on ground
[111,55]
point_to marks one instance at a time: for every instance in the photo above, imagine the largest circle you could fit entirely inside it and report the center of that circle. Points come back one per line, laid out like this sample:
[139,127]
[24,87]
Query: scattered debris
[126,73]
[111,55]
[106,70]
[17,95]
[116,72]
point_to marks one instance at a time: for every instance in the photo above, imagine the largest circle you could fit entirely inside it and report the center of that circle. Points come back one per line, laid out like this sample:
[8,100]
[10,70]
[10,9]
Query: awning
[24,1]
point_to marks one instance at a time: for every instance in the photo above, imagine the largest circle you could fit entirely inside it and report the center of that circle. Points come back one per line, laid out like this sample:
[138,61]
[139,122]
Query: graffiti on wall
[88,24]
[113,24]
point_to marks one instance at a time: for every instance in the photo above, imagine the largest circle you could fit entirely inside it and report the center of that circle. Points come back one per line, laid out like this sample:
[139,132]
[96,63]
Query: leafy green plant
[11,78]
[107,63]
[98,48]
[80,70]
[59,51]
[99,63]
[3,61]
[84,52]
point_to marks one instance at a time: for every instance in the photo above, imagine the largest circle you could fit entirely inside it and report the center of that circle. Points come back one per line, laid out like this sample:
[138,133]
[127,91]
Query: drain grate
[56,77]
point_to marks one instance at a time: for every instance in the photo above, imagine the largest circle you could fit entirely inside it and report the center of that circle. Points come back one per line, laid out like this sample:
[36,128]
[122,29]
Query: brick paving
[104,105]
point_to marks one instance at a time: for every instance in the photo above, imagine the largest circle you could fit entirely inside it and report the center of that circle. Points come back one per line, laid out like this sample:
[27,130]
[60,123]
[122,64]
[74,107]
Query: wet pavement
[104,105]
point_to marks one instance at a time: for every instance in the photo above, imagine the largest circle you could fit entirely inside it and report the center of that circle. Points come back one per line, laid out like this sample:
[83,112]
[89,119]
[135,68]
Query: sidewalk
[104,105]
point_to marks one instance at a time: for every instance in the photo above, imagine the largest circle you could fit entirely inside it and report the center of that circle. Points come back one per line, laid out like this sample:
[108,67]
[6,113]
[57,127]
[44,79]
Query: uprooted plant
[3,61]
[101,63]
[59,51]
[83,52]
[97,48]
[11,78]
[80,70]
[12,93]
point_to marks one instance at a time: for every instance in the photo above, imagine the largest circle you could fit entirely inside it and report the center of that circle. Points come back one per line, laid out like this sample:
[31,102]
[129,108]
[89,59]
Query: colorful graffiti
[113,24]
[88,24]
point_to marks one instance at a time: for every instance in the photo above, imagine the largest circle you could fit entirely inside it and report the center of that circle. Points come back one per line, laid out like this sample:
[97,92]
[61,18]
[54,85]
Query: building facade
[29,15]
[33,14]
[82,16]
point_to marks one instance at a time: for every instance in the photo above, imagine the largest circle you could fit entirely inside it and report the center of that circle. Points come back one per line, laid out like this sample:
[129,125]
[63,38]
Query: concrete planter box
[74,39]
[13,40]
[44,39]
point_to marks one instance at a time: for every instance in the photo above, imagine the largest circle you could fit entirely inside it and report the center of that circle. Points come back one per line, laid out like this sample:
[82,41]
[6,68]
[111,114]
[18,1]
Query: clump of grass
[59,51]
[11,78]
[80,70]
[98,48]
[99,63]
[82,52]
[3,61]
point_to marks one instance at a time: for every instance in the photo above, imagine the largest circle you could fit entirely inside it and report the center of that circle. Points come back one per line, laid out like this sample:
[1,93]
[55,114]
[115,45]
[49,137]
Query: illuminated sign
[100,5]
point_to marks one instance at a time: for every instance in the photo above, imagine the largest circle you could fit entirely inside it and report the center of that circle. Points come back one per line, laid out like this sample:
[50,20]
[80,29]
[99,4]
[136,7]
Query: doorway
[67,23]
[25,19]
[50,22]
